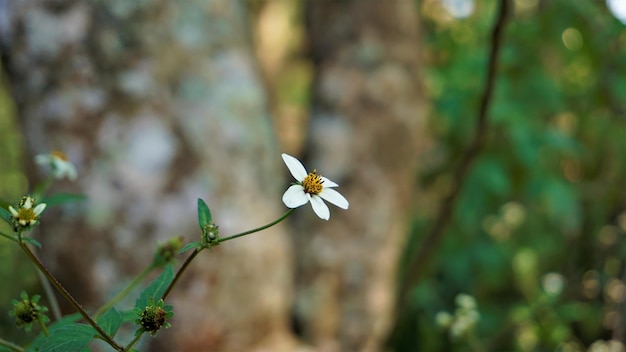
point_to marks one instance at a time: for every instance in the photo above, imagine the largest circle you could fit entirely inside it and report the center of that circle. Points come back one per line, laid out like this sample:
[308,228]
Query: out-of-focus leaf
[62,198]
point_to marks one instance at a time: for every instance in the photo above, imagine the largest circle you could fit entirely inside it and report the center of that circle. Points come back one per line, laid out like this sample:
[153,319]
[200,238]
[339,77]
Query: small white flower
[26,216]
[465,301]
[312,188]
[59,165]
[444,319]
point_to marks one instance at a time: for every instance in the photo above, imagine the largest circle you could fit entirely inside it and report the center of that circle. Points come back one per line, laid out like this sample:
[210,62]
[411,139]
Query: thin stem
[43,327]
[134,341]
[11,237]
[52,300]
[195,252]
[220,240]
[11,345]
[180,272]
[113,301]
[69,297]
[41,188]
[419,261]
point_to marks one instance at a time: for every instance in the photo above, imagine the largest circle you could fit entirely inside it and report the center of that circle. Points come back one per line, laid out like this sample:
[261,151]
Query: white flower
[311,187]
[59,165]
[444,319]
[26,216]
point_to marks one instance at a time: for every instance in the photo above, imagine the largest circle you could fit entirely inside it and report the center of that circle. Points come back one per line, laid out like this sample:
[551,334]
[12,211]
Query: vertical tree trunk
[367,134]
[158,103]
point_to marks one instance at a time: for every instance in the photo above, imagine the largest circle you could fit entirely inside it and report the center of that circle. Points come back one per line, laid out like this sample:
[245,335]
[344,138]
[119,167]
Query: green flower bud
[167,252]
[26,311]
[154,316]
[210,234]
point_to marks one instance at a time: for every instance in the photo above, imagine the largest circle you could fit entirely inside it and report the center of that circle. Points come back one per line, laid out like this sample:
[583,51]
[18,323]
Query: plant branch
[11,346]
[132,344]
[69,297]
[195,252]
[43,327]
[220,240]
[418,263]
[180,272]
[113,301]
[52,300]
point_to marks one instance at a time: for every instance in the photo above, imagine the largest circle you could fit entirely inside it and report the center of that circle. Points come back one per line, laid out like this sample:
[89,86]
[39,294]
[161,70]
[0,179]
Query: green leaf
[52,328]
[32,241]
[204,214]
[110,321]
[156,289]
[190,246]
[5,215]
[128,315]
[61,198]
[68,338]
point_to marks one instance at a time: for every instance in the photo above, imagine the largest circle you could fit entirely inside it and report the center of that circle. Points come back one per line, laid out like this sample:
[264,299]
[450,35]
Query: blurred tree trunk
[158,103]
[367,134]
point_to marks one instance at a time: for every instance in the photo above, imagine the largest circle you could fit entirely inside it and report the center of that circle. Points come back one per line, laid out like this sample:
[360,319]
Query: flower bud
[210,233]
[167,252]
[154,316]
[26,311]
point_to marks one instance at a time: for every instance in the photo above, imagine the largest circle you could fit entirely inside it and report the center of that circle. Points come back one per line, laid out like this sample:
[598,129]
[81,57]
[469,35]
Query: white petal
[320,208]
[294,196]
[28,203]
[42,159]
[328,183]
[39,209]
[334,197]
[72,174]
[13,211]
[295,167]
[58,164]
[69,171]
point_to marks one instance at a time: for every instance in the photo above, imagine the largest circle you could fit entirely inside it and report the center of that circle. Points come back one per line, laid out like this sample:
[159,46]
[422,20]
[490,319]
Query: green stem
[124,292]
[220,240]
[11,237]
[43,327]
[133,342]
[189,259]
[69,297]
[41,188]
[180,272]
[52,300]
[11,346]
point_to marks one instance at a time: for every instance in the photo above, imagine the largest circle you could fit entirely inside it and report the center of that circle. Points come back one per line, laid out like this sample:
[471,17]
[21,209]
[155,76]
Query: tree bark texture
[157,103]
[367,134]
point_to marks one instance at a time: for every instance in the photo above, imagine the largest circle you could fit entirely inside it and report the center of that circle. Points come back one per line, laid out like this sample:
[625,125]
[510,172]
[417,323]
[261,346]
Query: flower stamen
[312,183]
[59,154]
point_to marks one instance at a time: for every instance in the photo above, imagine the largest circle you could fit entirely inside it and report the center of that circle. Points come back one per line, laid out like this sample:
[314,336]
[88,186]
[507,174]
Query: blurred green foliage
[543,206]
[16,272]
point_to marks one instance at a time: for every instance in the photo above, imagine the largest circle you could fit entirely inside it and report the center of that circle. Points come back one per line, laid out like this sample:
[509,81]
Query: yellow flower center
[59,155]
[312,183]
[26,216]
